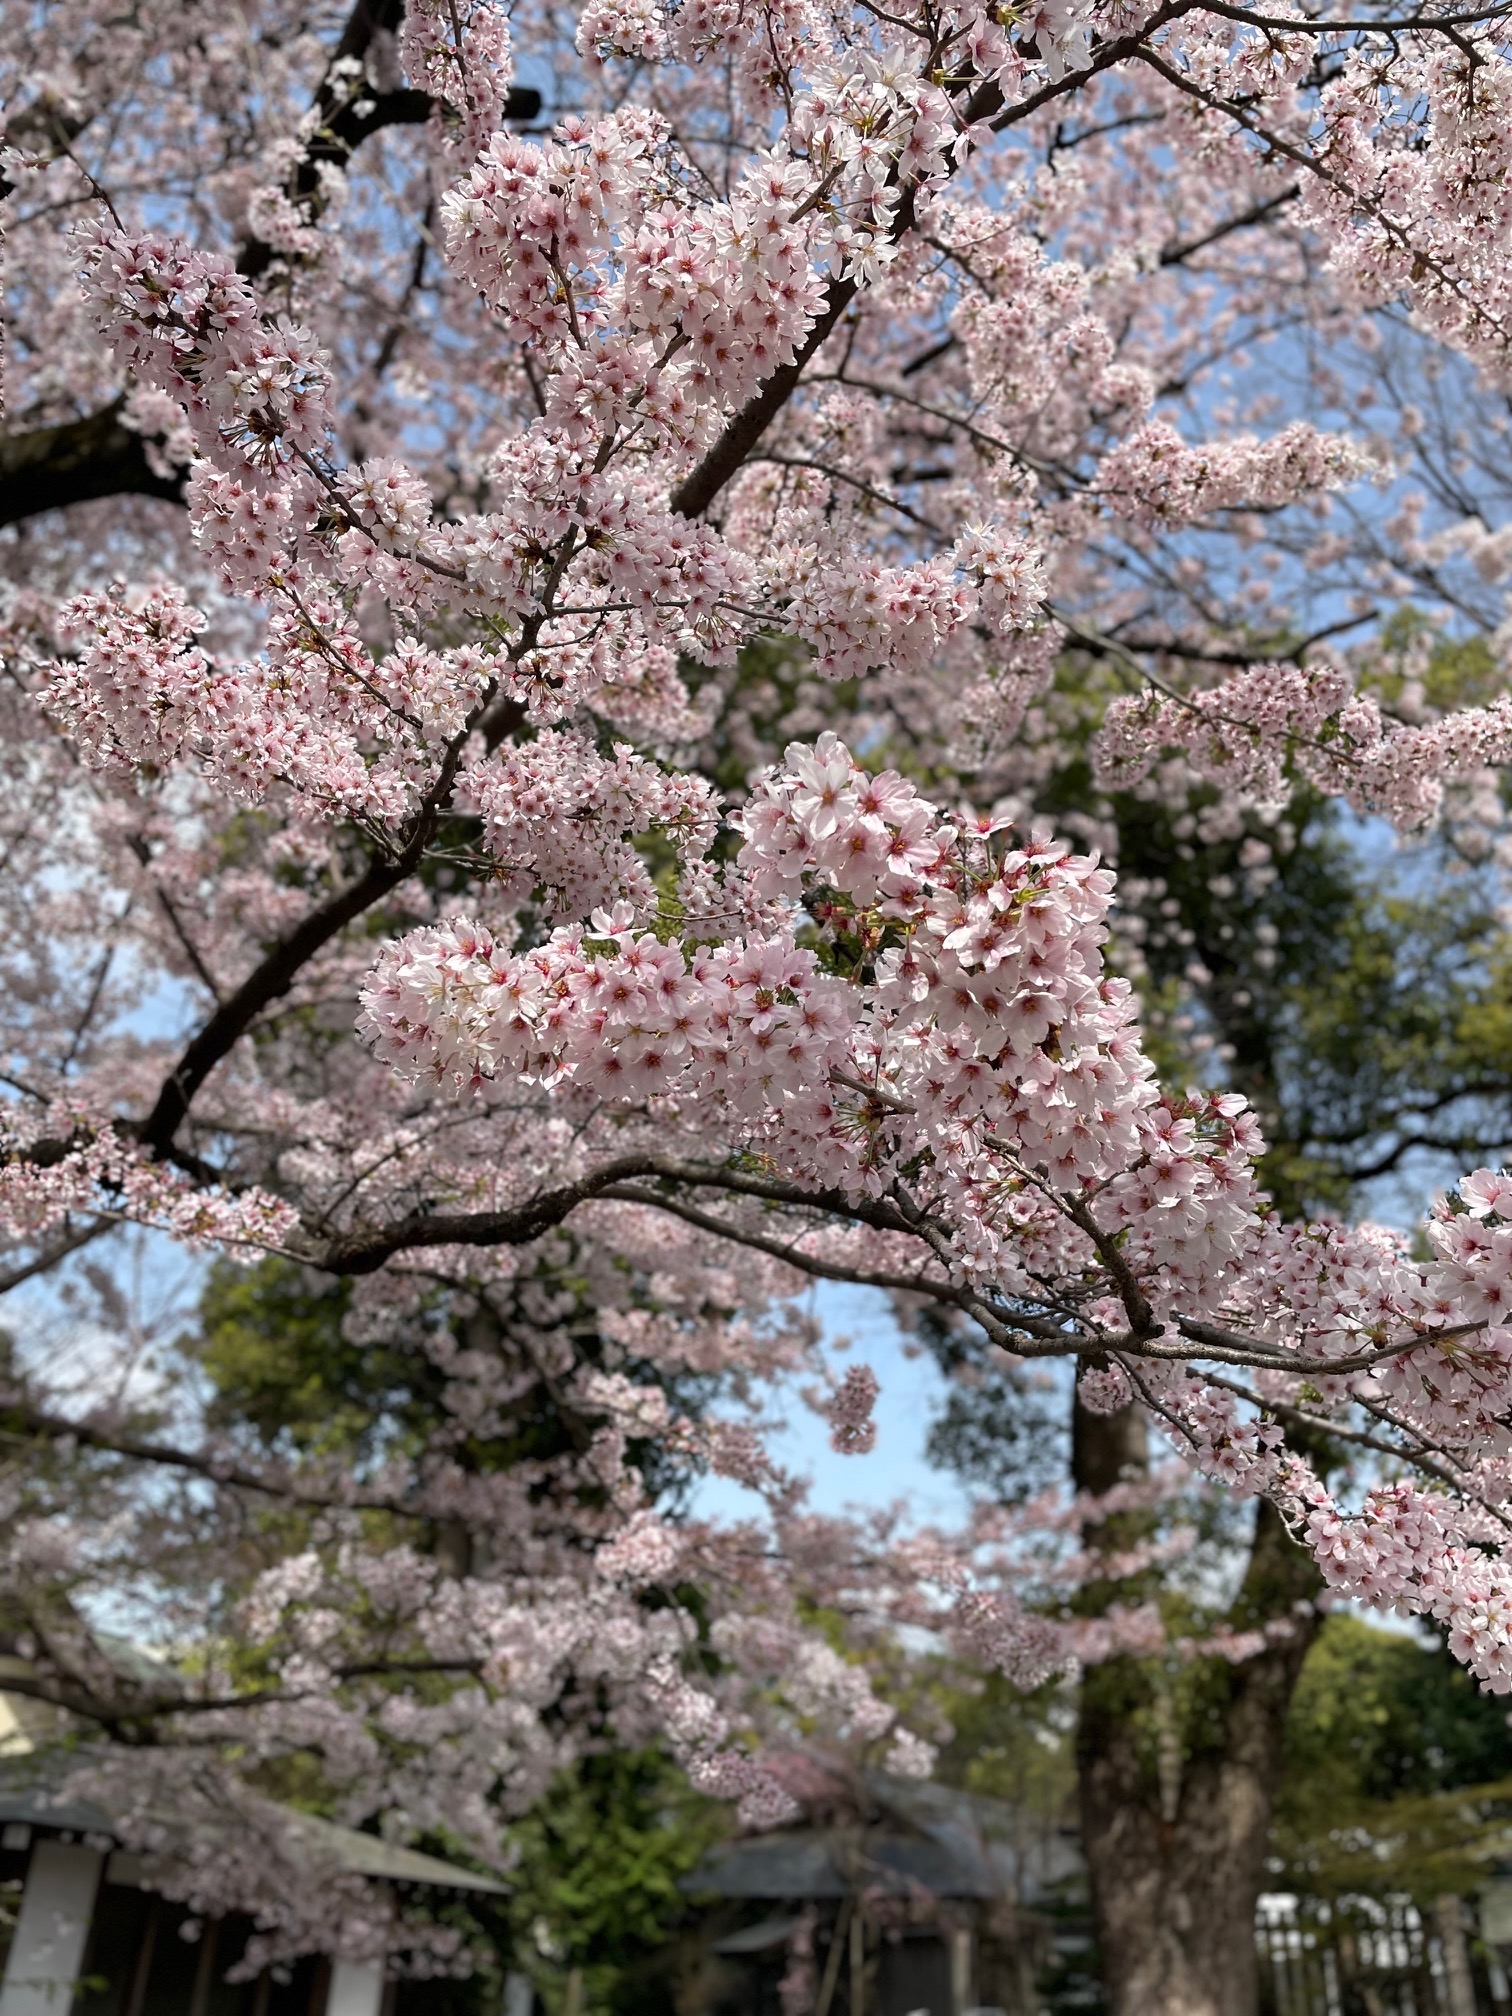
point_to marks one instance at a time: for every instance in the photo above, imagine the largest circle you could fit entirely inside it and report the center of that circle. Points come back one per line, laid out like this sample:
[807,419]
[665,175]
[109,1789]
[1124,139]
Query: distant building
[938,1901]
[84,1931]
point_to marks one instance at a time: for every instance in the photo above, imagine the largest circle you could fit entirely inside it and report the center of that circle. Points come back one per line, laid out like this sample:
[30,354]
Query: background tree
[1358,1000]
[1396,1771]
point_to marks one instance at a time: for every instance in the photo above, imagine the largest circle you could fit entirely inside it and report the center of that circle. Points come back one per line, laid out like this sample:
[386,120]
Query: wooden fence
[1371,1956]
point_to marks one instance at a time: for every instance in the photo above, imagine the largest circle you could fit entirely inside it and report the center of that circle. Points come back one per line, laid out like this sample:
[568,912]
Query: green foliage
[1359,1001]
[1013,1746]
[1004,1432]
[1398,1768]
[596,1888]
[1382,1713]
[1450,671]
[271,1344]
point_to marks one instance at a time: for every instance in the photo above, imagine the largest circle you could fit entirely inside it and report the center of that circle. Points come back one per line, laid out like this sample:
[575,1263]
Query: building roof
[34,1790]
[760,1938]
[924,1838]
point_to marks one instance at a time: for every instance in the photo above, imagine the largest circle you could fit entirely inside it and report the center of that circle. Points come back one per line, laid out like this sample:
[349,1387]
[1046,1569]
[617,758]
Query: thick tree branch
[278,970]
[51,1256]
[732,450]
[76,461]
[781,1249]
[1048,1334]
[268,981]
[364,1251]
[130,1716]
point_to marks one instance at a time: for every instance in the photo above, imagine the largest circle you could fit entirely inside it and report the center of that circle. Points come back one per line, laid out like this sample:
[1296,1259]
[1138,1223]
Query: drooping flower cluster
[255,394]
[853,1432]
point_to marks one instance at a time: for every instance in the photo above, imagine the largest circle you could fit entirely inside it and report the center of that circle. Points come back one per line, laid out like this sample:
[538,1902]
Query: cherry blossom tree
[530,694]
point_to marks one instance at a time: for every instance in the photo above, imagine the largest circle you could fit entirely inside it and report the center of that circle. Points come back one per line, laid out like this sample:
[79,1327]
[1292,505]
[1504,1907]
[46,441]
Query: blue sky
[912,1394]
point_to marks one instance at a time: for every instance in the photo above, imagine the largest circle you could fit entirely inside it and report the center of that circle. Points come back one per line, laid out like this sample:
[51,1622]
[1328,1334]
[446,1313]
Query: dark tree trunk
[1177,1779]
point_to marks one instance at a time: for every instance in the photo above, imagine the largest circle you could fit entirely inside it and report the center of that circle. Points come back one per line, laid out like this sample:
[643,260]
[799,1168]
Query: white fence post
[1449,1913]
[47,1950]
[356,1989]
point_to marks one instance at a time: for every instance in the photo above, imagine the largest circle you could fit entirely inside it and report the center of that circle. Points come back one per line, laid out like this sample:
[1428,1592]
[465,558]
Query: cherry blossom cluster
[993,953]
[1413,201]
[1253,733]
[1403,1550]
[461,55]
[621,1014]
[561,817]
[318,713]
[853,1432]
[651,311]
[256,395]
[1155,479]
[98,1169]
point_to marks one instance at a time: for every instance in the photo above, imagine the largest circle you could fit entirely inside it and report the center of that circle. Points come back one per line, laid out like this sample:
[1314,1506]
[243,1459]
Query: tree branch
[339,137]
[366,1250]
[214,1468]
[130,1718]
[75,461]
[268,981]
[779,1249]
[277,971]
[732,450]
[1180,250]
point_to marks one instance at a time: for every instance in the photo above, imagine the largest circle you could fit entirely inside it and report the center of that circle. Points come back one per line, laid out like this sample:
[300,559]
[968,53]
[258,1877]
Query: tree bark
[48,468]
[1177,1774]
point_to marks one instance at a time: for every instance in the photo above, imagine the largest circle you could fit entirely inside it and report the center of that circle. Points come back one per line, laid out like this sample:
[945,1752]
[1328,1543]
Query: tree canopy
[659,653]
